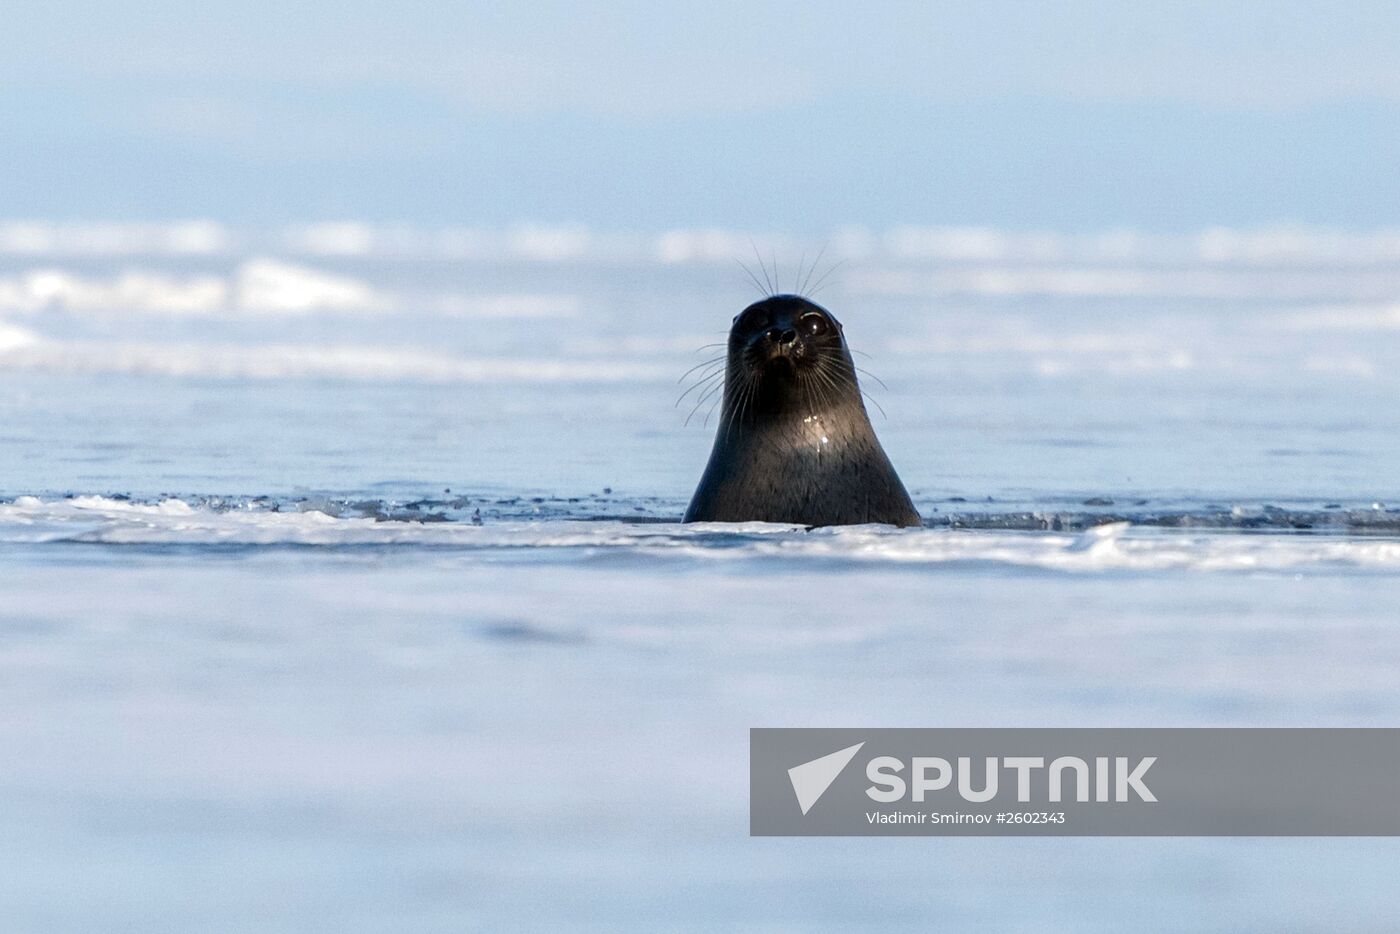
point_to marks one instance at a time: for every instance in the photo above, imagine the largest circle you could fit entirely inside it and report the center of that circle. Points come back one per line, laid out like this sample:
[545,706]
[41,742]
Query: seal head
[794,442]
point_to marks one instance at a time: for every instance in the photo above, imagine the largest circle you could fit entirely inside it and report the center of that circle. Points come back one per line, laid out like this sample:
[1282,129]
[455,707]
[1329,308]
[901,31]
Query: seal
[794,442]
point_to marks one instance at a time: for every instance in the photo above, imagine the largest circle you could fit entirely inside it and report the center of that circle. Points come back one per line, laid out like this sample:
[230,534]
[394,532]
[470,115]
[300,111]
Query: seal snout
[779,349]
[783,338]
[778,345]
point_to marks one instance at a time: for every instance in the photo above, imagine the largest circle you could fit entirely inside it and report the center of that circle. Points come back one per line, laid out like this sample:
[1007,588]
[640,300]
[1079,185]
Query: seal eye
[813,324]
[750,320]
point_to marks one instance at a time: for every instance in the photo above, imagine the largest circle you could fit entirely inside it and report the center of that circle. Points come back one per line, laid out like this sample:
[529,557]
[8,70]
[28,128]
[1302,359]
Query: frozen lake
[344,591]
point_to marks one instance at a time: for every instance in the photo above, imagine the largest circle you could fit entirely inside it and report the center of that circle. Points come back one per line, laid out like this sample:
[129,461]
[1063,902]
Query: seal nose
[784,337]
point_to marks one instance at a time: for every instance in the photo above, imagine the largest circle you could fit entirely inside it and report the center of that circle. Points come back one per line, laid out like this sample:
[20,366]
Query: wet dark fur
[794,442]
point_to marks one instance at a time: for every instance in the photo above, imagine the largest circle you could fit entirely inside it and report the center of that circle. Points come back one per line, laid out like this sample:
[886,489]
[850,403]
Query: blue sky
[642,115]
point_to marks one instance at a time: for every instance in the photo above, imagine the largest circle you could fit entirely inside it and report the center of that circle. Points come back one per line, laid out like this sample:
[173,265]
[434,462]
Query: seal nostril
[787,337]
